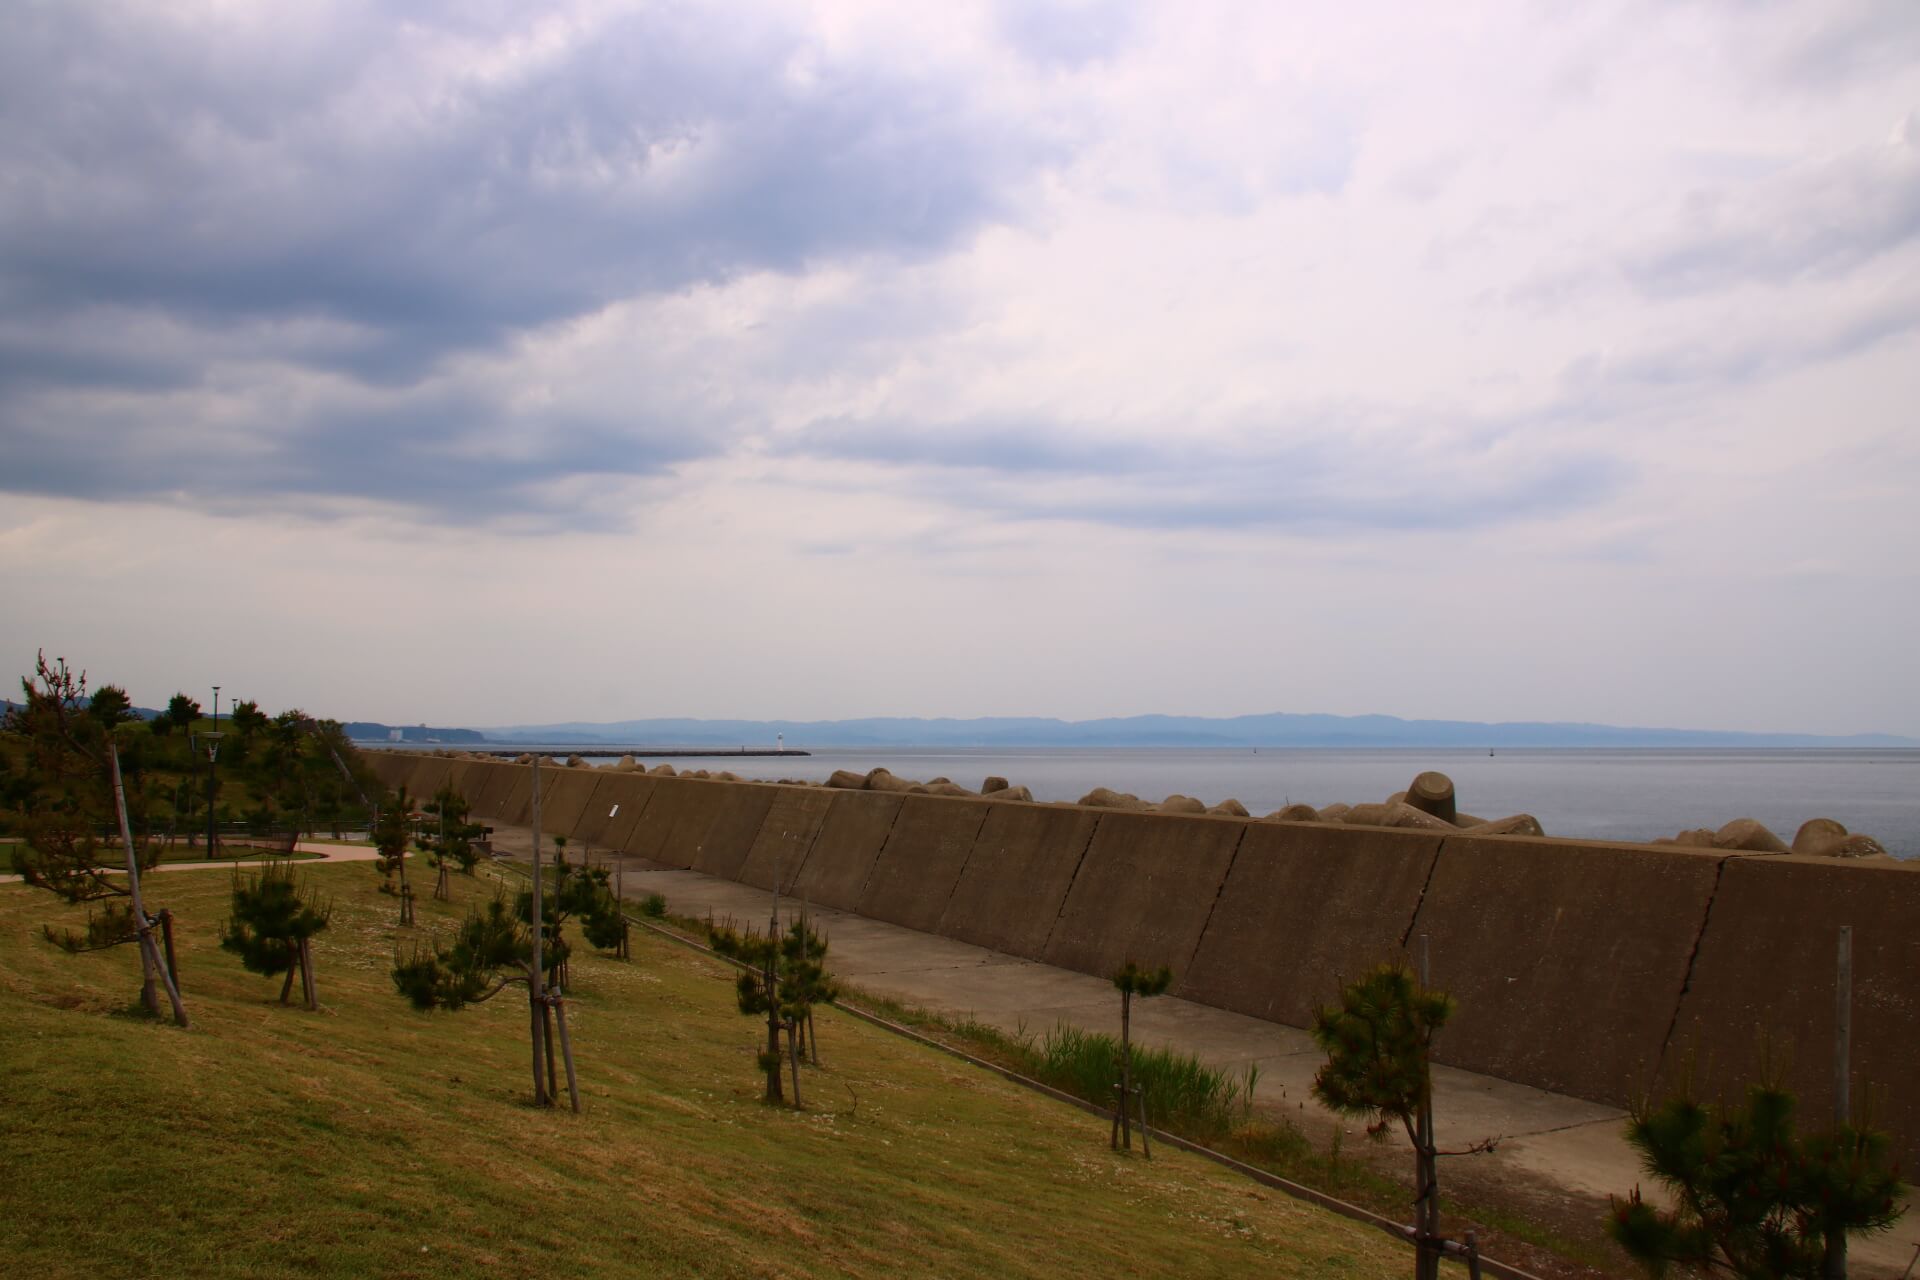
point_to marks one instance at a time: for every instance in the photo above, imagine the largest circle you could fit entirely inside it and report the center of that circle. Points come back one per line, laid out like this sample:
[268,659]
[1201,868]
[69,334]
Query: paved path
[324,852]
[1551,1141]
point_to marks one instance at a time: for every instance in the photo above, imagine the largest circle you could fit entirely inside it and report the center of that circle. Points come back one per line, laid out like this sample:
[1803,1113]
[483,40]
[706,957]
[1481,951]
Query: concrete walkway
[322,852]
[1552,1142]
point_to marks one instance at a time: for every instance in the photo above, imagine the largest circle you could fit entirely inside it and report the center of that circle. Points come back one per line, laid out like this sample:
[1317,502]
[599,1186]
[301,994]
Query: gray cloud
[445,455]
[663,151]
[365,192]
[1815,220]
[1320,479]
[1064,33]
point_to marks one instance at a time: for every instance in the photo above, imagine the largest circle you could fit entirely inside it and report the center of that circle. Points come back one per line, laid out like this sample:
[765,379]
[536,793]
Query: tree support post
[166,936]
[793,1058]
[1834,1264]
[308,986]
[1426,1189]
[536,980]
[566,1051]
[150,962]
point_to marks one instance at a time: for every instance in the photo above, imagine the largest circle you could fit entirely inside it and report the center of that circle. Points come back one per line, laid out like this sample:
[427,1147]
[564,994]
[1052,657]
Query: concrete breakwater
[1593,969]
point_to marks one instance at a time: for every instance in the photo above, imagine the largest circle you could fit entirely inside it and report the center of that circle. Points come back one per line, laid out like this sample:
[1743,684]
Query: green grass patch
[1211,1107]
[368,1139]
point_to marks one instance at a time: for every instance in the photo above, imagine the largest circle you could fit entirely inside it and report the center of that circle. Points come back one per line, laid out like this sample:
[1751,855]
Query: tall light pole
[213,752]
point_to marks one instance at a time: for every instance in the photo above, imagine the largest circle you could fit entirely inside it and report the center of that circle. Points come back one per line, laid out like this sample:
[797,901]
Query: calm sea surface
[1600,794]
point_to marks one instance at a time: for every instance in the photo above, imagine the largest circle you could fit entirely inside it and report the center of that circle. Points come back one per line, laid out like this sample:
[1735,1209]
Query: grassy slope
[371,1140]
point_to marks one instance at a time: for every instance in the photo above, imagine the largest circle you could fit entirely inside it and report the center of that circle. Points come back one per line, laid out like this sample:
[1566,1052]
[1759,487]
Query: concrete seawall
[1593,969]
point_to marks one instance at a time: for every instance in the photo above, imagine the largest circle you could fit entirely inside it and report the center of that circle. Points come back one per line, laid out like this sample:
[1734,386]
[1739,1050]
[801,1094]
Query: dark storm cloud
[419,183]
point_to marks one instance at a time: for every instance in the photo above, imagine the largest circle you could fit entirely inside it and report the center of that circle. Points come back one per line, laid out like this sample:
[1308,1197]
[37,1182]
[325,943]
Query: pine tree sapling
[756,988]
[272,926]
[445,837]
[1750,1196]
[804,981]
[783,977]
[74,788]
[491,950]
[1379,1044]
[1131,981]
[392,829]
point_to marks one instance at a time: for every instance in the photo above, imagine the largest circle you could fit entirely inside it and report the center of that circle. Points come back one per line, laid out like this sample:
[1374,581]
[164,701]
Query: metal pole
[1426,1219]
[213,751]
[1843,1031]
[539,950]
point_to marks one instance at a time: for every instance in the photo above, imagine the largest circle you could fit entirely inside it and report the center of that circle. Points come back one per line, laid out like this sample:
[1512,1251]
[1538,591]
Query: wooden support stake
[166,936]
[536,980]
[308,982]
[1427,1203]
[793,1057]
[150,962]
[566,1052]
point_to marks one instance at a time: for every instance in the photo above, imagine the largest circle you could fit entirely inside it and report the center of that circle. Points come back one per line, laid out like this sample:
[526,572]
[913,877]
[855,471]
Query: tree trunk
[1833,1265]
[773,1037]
[286,987]
[1426,1218]
[539,1046]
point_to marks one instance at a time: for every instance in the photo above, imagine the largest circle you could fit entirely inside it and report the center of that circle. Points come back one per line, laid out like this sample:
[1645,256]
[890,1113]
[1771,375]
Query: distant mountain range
[1277,729]
[373,731]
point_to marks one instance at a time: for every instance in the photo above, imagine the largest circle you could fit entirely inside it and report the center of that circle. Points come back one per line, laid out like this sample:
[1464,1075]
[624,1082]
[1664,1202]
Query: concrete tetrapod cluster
[1817,837]
[883,779]
[1426,805]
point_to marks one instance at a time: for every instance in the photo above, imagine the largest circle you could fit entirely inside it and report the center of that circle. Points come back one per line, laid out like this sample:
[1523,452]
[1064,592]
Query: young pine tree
[272,927]
[1131,981]
[1751,1196]
[492,950]
[782,977]
[805,981]
[1379,1046]
[446,839]
[71,789]
[392,828]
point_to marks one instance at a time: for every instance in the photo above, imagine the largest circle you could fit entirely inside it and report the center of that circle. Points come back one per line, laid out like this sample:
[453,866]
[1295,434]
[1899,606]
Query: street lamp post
[213,752]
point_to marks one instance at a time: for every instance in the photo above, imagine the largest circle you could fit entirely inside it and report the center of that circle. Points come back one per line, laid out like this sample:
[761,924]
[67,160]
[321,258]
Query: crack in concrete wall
[1217,895]
[1093,830]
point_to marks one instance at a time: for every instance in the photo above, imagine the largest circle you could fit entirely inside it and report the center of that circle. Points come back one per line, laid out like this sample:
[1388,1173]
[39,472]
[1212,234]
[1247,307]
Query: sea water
[1619,794]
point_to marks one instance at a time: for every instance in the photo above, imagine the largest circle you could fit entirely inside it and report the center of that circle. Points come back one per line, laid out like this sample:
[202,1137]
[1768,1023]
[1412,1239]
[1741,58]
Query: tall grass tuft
[1181,1092]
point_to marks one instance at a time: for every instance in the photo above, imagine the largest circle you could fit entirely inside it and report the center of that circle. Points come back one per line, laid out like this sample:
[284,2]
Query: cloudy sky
[481,363]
